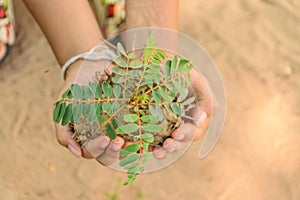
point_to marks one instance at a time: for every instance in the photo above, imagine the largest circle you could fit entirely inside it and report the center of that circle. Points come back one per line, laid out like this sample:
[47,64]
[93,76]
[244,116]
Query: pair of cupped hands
[105,150]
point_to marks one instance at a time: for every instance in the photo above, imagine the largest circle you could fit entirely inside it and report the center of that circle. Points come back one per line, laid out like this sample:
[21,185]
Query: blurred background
[256,46]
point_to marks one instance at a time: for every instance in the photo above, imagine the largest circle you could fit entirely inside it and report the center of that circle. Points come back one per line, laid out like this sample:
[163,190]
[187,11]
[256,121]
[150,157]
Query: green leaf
[77,111]
[115,123]
[131,117]
[135,73]
[167,71]
[169,110]
[136,64]
[183,95]
[98,108]
[130,159]
[155,77]
[132,148]
[100,118]
[182,65]
[150,119]
[87,93]
[87,108]
[170,87]
[152,71]
[106,107]
[94,87]
[115,106]
[118,79]
[164,95]
[57,110]
[156,111]
[161,53]
[66,94]
[131,55]
[128,128]
[110,132]
[107,89]
[150,43]
[117,91]
[126,94]
[121,49]
[145,146]
[173,66]
[62,110]
[177,109]
[119,61]
[92,114]
[153,67]
[136,137]
[118,71]
[148,137]
[147,53]
[152,128]
[189,101]
[156,62]
[147,155]
[76,91]
[156,97]
[142,112]
[178,86]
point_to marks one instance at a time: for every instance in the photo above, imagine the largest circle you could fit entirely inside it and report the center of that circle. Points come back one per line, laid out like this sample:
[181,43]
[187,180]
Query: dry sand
[256,45]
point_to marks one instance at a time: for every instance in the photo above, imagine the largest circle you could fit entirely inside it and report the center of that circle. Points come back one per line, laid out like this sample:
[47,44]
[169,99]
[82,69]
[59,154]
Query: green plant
[142,99]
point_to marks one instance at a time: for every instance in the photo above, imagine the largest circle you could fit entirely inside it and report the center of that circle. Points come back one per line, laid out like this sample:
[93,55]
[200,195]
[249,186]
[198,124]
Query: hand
[106,151]
[186,132]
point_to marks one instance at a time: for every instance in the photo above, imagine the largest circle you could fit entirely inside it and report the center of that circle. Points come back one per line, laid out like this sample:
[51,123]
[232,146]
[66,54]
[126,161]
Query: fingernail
[179,135]
[74,151]
[201,118]
[104,143]
[159,154]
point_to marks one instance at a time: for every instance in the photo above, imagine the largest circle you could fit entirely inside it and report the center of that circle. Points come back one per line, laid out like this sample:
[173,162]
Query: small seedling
[142,99]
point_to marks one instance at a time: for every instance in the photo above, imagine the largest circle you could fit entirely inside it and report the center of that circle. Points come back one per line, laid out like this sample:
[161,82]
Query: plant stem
[140,127]
[162,84]
[91,100]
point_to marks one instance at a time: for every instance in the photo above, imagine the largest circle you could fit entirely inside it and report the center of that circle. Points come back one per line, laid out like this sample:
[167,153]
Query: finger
[171,145]
[64,137]
[112,152]
[159,153]
[96,147]
[202,91]
[186,132]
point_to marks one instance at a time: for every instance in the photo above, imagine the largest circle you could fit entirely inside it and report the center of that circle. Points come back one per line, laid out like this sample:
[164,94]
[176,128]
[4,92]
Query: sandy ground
[256,46]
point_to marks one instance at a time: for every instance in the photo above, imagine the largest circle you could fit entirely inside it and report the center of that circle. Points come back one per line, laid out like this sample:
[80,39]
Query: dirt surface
[256,46]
